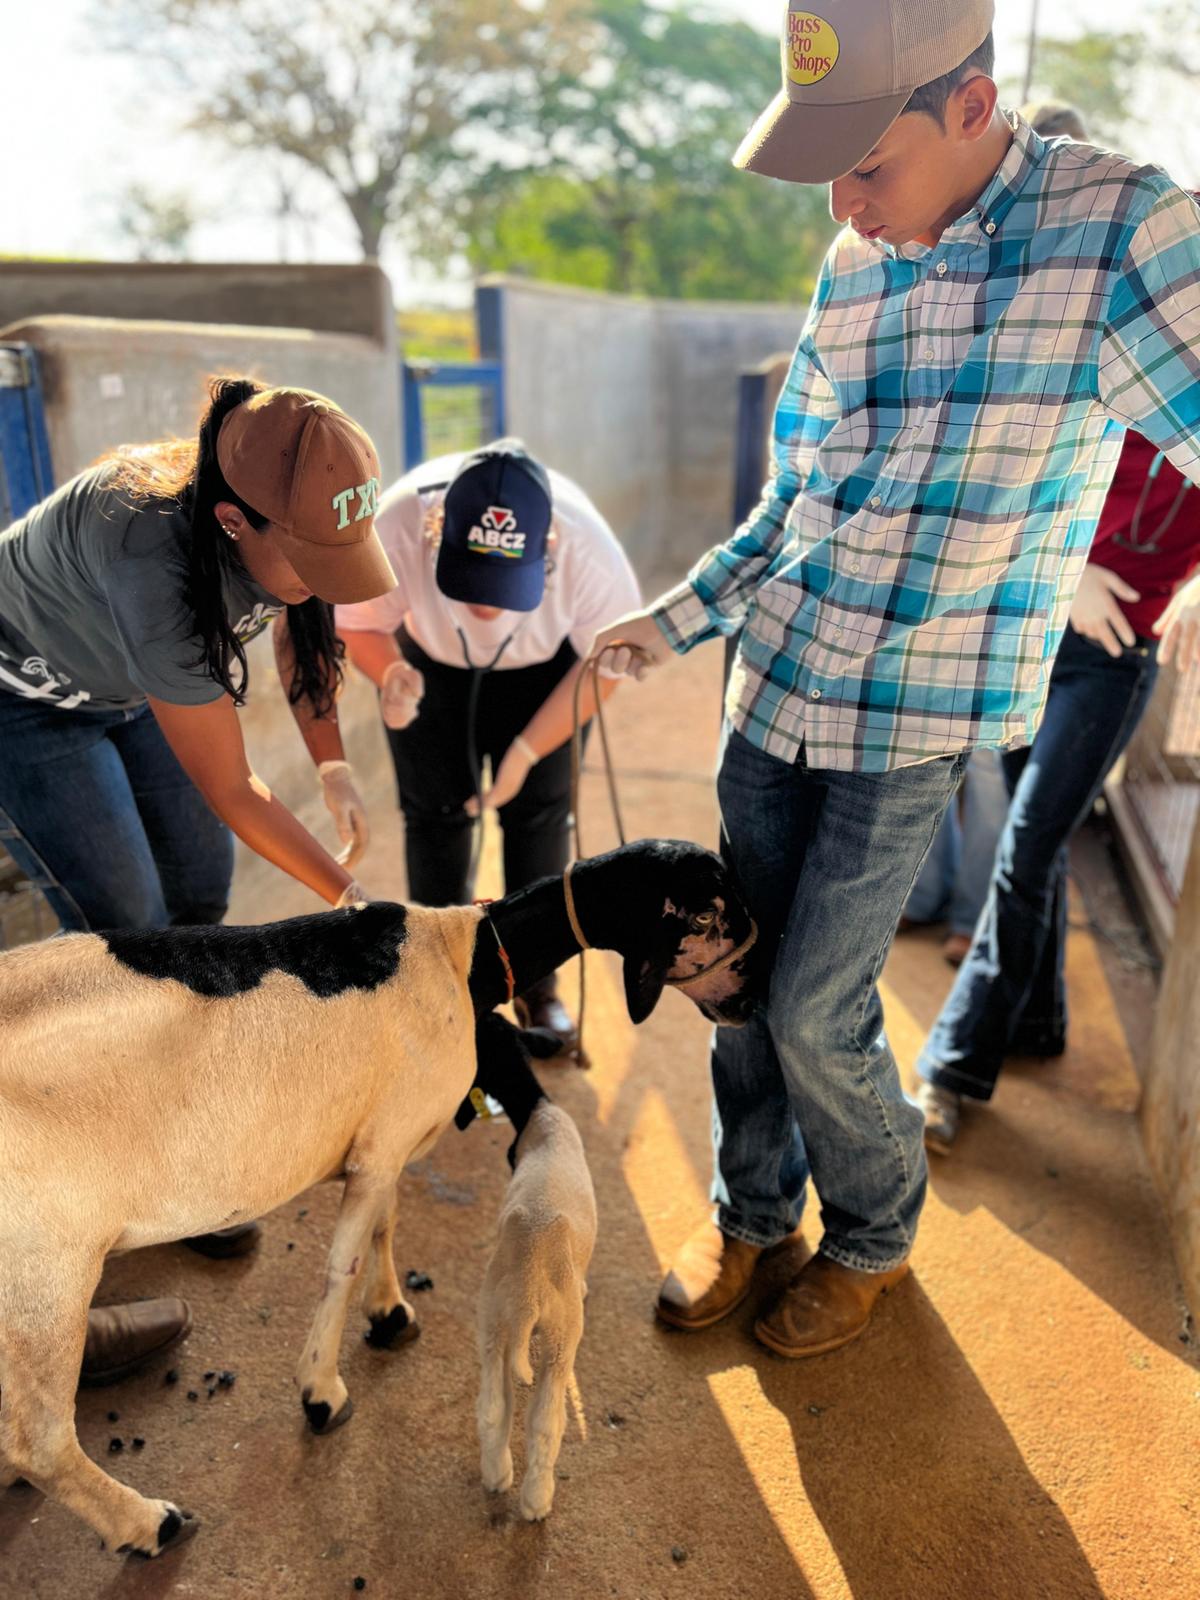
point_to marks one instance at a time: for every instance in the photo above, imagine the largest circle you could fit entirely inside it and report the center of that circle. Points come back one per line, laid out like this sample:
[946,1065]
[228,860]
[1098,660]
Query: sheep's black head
[674,912]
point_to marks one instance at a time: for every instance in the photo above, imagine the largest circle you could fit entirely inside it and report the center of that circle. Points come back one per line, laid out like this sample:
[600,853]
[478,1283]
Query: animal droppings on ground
[678,1554]
[613,1419]
[113,1417]
[815,1411]
[139,1444]
[291,1244]
[302,1213]
[418,1282]
[171,1377]
[226,1380]
[192,1395]
[115,1446]
[360,1584]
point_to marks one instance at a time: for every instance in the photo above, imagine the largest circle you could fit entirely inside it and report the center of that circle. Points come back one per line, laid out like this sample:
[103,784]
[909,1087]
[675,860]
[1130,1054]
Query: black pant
[434,776]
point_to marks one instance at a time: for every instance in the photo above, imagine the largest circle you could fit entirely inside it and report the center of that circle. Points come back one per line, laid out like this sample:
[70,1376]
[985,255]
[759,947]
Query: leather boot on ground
[709,1277]
[824,1306]
[942,1111]
[226,1243]
[120,1339]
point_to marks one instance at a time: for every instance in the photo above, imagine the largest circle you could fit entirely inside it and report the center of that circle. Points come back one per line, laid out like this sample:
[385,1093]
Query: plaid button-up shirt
[941,452]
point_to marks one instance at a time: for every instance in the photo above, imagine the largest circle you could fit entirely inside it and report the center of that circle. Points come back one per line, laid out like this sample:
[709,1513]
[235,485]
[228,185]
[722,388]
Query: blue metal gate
[450,406]
[25,472]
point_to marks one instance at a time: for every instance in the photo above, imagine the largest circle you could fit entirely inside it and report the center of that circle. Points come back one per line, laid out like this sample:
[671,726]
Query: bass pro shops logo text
[497,534]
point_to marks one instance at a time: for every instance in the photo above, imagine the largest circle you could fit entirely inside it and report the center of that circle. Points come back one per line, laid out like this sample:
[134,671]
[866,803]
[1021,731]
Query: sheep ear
[643,985]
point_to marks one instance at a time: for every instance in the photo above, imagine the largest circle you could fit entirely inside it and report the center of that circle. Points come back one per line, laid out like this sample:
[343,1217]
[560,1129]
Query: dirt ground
[1020,1422]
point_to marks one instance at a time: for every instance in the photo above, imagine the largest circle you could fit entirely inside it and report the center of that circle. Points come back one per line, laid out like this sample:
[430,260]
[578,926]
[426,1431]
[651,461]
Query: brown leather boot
[709,1277]
[121,1338]
[226,1243]
[824,1306]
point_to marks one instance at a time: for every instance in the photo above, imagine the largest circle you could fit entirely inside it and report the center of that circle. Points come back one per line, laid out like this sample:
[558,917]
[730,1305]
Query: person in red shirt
[1132,611]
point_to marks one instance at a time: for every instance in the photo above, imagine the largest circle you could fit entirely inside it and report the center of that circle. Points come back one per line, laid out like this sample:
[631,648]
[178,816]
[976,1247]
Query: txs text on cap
[849,69]
[496,521]
[297,459]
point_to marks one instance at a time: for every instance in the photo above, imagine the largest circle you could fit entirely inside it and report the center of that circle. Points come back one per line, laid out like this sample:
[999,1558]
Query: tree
[1098,72]
[365,94]
[158,225]
[618,176]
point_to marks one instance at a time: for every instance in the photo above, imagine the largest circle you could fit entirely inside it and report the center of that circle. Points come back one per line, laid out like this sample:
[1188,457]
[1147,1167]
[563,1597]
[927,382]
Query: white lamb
[534,1286]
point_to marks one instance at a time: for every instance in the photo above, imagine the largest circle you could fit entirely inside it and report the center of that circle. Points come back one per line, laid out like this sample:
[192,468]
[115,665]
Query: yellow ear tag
[479,1100]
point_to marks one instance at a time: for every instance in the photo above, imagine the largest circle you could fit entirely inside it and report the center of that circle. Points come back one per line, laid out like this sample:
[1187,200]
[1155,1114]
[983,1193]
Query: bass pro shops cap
[496,521]
[300,461]
[849,68]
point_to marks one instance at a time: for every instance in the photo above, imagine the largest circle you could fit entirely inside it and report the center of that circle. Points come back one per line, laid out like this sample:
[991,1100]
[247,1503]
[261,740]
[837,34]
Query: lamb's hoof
[536,1510]
[176,1528]
[391,1330]
[500,1482]
[319,1419]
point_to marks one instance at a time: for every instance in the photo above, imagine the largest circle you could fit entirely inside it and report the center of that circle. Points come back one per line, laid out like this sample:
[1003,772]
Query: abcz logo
[497,534]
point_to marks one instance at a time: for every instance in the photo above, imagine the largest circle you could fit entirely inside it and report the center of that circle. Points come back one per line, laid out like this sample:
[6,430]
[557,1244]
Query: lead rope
[592,665]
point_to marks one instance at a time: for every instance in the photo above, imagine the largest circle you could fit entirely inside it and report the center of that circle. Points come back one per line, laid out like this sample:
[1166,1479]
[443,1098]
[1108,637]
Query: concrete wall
[1171,1096]
[334,299]
[637,400]
[109,382]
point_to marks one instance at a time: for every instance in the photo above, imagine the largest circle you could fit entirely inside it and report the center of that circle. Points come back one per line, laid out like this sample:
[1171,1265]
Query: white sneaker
[941,1109]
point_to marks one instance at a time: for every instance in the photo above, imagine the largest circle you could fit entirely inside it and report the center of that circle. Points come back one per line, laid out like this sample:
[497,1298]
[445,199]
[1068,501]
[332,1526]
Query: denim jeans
[1009,995]
[825,860]
[100,816]
[434,776]
[954,881]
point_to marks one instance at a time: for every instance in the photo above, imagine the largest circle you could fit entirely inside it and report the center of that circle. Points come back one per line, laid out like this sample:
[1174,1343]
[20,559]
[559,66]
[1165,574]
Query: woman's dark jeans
[100,816]
[1009,995]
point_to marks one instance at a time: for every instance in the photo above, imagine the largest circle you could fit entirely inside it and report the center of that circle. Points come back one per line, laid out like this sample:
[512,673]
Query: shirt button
[989,227]
[815,694]
[876,500]
[927,353]
[855,565]
[941,268]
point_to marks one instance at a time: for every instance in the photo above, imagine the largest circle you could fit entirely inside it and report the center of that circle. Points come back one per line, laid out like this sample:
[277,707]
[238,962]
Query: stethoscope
[1131,541]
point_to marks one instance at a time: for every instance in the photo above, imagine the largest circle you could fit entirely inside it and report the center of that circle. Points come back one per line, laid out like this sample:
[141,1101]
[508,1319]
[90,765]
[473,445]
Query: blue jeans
[100,816]
[825,860]
[1009,994]
[954,881]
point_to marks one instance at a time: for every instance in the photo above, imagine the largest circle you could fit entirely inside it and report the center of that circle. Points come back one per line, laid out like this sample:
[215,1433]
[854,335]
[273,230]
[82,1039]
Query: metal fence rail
[450,406]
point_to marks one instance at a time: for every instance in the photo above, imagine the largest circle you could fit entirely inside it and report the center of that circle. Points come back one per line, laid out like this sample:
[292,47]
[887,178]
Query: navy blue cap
[497,516]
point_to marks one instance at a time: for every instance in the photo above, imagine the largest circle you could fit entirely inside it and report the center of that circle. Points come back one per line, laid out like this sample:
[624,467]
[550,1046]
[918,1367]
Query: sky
[78,127]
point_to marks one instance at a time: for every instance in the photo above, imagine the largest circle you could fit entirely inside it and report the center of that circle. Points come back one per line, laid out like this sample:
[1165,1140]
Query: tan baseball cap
[299,460]
[849,67]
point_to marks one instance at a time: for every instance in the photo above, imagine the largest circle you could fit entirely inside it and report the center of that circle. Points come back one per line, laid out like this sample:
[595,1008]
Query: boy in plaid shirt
[994,312]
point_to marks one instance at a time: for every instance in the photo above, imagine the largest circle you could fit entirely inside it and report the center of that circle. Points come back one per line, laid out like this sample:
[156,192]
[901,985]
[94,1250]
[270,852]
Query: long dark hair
[186,471]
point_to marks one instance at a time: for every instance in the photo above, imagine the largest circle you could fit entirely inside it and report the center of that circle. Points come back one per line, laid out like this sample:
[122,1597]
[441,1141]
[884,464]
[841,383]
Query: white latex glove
[1095,612]
[519,760]
[400,693]
[352,895]
[1179,627]
[640,631]
[346,807]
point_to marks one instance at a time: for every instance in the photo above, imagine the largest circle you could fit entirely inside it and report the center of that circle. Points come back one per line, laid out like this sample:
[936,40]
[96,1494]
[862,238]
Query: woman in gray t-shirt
[126,602]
